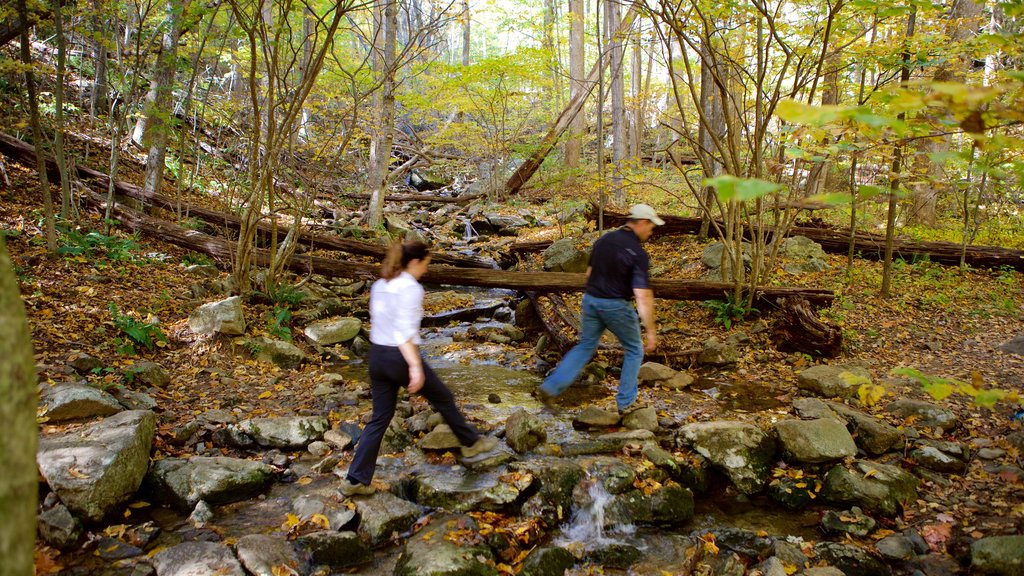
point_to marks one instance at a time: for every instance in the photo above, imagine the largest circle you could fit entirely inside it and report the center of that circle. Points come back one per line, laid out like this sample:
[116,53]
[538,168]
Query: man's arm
[645,307]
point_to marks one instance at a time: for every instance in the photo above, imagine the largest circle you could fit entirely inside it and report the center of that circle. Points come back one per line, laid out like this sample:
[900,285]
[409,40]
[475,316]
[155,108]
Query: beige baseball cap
[645,212]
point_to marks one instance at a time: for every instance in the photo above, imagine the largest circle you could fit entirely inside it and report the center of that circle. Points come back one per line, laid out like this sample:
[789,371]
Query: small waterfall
[469,232]
[587,525]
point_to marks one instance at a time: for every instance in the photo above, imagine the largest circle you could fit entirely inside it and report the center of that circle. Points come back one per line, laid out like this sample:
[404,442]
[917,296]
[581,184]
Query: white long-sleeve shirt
[396,309]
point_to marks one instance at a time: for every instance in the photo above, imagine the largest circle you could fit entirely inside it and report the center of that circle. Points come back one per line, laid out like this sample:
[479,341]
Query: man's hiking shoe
[623,412]
[484,444]
[349,488]
[547,399]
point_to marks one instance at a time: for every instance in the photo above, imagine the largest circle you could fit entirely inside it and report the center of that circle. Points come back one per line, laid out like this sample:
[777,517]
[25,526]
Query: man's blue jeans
[598,314]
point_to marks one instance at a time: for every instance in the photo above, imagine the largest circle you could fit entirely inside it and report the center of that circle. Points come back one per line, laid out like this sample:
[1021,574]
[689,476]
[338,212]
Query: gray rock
[874,435]
[261,553]
[338,439]
[85,363]
[133,399]
[1001,555]
[225,316]
[336,549]
[740,450]
[677,382]
[524,431]
[934,459]
[833,381]
[852,521]
[1014,345]
[662,458]
[558,477]
[218,480]
[208,270]
[463,491]
[197,559]
[814,408]
[823,571]
[718,353]
[804,255]
[772,566]
[147,373]
[66,402]
[991,453]
[440,438]
[852,560]
[286,431]
[329,332]
[58,528]
[714,257]
[815,441]
[592,416]
[642,419]
[95,469]
[382,514]
[437,556]
[319,448]
[896,547]
[563,256]
[284,354]
[874,487]
[655,372]
[201,514]
[924,413]
[615,475]
[548,562]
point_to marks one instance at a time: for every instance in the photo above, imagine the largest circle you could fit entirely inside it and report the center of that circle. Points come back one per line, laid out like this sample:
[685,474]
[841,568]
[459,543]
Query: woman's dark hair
[399,255]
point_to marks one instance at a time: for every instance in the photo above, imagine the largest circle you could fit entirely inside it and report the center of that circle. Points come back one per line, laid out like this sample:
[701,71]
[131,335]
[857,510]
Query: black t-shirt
[618,265]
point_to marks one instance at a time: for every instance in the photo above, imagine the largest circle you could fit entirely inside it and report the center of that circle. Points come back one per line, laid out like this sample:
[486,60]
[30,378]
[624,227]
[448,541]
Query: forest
[195,198]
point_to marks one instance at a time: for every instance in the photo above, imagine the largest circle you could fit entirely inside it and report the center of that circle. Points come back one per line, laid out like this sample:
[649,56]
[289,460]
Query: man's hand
[416,378]
[651,341]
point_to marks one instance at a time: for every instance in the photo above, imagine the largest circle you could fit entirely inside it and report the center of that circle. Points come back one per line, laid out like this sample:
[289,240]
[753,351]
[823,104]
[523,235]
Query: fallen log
[416,198]
[801,330]
[866,244]
[25,154]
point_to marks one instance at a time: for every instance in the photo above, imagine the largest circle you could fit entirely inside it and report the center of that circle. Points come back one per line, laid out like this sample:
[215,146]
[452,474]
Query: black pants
[388,372]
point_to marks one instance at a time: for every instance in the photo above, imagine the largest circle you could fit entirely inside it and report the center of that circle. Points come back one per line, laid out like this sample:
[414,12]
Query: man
[618,272]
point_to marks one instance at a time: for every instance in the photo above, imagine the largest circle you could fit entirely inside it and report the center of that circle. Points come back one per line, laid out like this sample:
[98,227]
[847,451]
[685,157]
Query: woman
[396,309]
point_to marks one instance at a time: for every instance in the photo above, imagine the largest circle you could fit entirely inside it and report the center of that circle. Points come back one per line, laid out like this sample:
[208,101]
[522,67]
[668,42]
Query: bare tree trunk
[19,484]
[58,97]
[37,130]
[897,163]
[708,132]
[158,111]
[574,141]
[385,19]
[636,125]
[98,102]
[466,23]
[613,17]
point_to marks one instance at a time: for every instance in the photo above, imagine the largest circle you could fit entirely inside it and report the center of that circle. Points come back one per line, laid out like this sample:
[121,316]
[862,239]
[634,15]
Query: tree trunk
[636,126]
[19,483]
[158,110]
[58,99]
[466,24]
[385,21]
[618,93]
[574,141]
[709,132]
[98,102]
[37,130]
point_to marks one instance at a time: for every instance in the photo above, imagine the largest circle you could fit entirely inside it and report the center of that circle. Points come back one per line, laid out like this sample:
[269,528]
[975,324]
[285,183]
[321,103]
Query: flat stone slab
[197,559]
[76,402]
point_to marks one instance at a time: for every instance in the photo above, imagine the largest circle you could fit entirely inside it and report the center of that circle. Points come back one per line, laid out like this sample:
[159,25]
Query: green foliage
[740,189]
[278,321]
[285,295]
[196,258]
[136,332]
[941,388]
[727,311]
[94,244]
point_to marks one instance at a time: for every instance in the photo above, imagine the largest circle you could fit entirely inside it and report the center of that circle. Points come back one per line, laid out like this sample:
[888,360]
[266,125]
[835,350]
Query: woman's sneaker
[349,488]
[483,444]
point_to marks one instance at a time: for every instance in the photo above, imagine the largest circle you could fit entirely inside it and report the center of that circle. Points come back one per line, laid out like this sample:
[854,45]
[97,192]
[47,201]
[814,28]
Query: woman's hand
[416,378]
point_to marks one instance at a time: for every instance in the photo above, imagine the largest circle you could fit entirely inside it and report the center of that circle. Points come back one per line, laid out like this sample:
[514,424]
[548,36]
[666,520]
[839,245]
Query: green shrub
[727,311]
[136,332]
[277,323]
[93,244]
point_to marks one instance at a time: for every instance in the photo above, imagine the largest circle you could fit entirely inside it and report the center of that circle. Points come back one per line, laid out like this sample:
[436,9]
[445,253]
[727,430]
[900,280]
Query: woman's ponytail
[399,255]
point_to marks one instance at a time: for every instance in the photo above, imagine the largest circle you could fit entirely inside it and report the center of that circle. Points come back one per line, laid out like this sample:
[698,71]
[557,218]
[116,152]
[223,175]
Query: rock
[85,364]
[284,354]
[336,549]
[286,431]
[318,448]
[1001,555]
[558,477]
[615,555]
[95,469]
[438,556]
[924,413]
[563,256]
[744,542]
[440,438]
[225,316]
[615,475]
[872,434]
[823,571]
[662,458]
[201,514]
[852,521]
[805,255]
[815,441]
[895,547]
[147,373]
[208,270]
[714,257]
[833,381]
[382,514]
[852,560]
[934,459]
[655,372]
[218,480]
[338,439]
[677,382]
[642,419]
[133,400]
[772,566]
[197,559]
[548,562]
[793,493]
[718,353]
[741,450]
[58,528]
[76,402]
[524,431]
[329,332]
[607,443]
[670,505]
[814,408]
[464,491]
[874,487]
[109,548]
[1014,345]
[260,554]
[594,417]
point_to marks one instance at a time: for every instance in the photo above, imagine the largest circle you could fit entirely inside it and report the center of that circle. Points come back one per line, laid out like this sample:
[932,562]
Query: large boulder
[813,441]
[874,435]
[524,431]
[99,467]
[803,254]
[286,431]
[558,477]
[466,490]
[874,487]
[217,480]
[261,554]
[924,413]
[336,549]
[1000,555]
[284,354]
[225,316]
[833,381]
[197,559]
[718,353]
[382,514]
[431,553]
[670,505]
[741,450]
[76,402]
[564,256]
[329,332]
